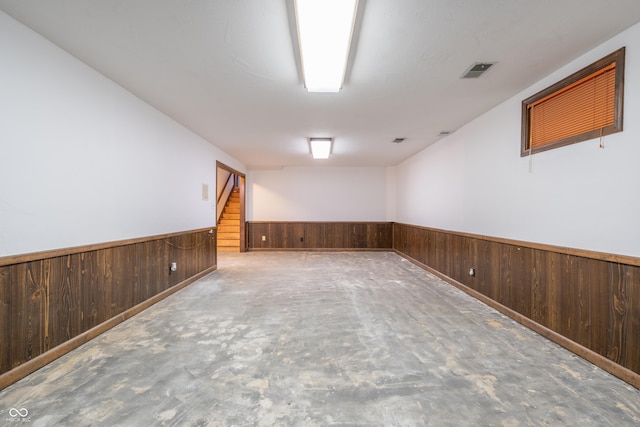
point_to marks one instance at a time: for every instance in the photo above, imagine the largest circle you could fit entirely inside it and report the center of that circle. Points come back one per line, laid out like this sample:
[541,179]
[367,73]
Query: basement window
[586,105]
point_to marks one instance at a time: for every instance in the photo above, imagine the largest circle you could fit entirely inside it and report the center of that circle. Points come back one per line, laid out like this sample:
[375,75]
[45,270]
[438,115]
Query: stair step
[228,236]
[229,249]
[232,209]
[232,242]
[230,221]
[227,231]
[226,215]
[227,228]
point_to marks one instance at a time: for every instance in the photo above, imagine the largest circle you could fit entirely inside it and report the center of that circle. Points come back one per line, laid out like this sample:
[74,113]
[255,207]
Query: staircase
[229,225]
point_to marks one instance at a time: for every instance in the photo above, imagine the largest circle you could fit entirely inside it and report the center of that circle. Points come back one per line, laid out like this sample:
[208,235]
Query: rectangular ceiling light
[320,147]
[324,35]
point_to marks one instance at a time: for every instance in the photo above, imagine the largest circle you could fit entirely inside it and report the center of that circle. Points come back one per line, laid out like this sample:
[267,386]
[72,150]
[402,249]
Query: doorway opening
[230,209]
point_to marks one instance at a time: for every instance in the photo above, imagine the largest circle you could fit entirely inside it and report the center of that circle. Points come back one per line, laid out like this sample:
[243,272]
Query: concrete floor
[310,339]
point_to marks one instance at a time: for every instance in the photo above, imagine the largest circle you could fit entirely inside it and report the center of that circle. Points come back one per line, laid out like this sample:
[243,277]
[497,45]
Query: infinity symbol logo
[15,413]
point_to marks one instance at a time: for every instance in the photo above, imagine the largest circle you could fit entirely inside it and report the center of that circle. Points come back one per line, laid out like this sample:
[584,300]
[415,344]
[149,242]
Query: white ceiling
[229,70]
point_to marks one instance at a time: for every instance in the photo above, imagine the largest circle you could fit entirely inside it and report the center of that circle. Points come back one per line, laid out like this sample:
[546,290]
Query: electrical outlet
[264,238]
[302,239]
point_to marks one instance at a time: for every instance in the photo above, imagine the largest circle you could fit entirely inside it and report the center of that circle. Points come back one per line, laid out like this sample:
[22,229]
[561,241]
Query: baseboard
[319,250]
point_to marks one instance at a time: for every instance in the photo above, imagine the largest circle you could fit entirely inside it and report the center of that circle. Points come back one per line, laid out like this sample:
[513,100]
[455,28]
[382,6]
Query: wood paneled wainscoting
[319,236]
[52,302]
[588,302]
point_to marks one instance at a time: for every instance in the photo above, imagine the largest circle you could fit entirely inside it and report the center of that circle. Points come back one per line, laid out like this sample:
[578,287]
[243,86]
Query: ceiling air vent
[398,140]
[445,132]
[477,69]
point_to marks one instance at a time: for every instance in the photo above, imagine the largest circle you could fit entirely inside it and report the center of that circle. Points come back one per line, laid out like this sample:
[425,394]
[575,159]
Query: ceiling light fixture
[320,147]
[324,35]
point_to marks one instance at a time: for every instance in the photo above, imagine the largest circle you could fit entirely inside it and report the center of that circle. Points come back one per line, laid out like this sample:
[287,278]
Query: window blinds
[583,106]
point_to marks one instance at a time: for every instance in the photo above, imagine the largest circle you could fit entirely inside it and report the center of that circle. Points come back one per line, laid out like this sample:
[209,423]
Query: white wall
[578,196]
[84,161]
[392,185]
[317,194]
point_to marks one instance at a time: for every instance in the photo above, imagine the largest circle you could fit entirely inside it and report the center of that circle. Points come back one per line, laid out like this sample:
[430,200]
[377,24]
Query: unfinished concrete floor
[321,339]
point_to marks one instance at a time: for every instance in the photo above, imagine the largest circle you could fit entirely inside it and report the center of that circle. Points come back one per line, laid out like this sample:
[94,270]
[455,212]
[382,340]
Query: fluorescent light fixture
[324,35]
[320,147]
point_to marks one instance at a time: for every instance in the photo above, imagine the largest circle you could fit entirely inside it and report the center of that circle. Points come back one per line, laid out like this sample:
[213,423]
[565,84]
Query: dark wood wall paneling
[594,301]
[320,235]
[46,301]
[589,298]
